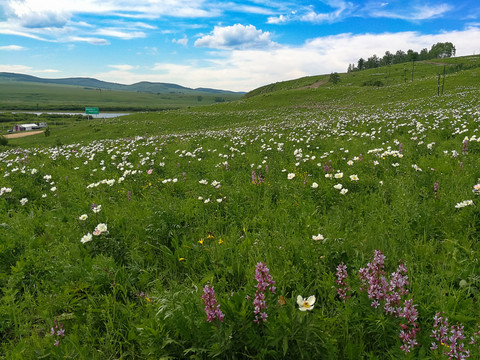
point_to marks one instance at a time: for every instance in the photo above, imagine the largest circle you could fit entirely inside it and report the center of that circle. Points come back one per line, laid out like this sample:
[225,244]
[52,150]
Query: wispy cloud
[12,48]
[122,67]
[337,10]
[235,37]
[183,41]
[125,35]
[90,40]
[414,13]
[23,69]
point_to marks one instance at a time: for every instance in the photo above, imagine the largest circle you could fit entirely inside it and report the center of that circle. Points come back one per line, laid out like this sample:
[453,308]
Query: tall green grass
[202,195]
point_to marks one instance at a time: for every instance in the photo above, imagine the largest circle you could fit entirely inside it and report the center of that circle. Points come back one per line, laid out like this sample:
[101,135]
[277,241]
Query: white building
[28,127]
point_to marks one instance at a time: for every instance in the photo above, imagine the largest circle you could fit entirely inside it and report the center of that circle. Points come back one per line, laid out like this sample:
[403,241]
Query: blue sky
[232,45]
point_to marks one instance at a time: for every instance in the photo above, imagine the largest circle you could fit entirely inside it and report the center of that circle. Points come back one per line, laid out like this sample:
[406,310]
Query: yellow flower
[210,236]
[181,259]
[200,241]
[220,241]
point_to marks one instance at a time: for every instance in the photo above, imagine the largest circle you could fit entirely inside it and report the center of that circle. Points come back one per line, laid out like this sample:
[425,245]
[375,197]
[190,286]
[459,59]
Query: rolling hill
[143,86]
[25,92]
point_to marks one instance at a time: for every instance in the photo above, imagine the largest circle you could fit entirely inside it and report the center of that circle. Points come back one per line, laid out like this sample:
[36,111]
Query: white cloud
[15,68]
[90,40]
[110,32]
[415,13]
[281,19]
[48,71]
[12,48]
[183,41]
[122,67]
[235,37]
[342,10]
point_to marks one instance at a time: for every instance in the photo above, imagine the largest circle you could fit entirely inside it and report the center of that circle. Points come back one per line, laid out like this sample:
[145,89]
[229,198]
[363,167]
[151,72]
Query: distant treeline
[439,50]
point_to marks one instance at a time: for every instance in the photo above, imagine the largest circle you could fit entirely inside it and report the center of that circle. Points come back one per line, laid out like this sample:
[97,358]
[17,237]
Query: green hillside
[333,221]
[29,93]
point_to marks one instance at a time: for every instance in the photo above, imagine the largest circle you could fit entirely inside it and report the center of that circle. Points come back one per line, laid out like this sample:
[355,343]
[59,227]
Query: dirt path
[23,134]
[314,85]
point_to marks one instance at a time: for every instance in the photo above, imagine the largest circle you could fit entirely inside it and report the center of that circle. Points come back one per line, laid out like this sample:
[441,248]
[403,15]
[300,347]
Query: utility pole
[438,85]
[443,83]
[413,67]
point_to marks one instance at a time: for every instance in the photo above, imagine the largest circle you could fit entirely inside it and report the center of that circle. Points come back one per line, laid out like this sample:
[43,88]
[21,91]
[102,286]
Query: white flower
[338,186]
[329,176]
[97,209]
[343,191]
[53,188]
[290,176]
[354,177]
[86,238]
[395,164]
[100,229]
[314,185]
[203,182]
[464,203]
[375,162]
[219,200]
[23,201]
[318,237]
[305,304]
[83,217]
[350,162]
[338,175]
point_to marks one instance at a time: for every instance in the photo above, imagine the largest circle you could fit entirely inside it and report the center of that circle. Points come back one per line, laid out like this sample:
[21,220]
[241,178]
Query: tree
[334,78]
[387,58]
[372,62]
[423,54]
[399,57]
[361,64]
[442,50]
[412,55]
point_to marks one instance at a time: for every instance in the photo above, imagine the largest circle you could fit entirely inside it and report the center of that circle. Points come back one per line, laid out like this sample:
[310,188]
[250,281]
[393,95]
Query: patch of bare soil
[315,85]
[23,134]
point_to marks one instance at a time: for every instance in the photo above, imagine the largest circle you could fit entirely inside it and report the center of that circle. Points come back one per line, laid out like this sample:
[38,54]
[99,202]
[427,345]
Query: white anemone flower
[290,176]
[305,304]
[318,237]
[86,238]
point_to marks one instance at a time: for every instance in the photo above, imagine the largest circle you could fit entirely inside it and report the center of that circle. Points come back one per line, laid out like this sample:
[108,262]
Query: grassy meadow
[330,222]
[17,95]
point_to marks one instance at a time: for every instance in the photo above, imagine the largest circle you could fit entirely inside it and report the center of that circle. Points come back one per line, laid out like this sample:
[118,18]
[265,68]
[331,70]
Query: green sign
[91,110]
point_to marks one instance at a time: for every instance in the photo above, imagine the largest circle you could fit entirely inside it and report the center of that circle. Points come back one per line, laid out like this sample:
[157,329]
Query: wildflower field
[332,223]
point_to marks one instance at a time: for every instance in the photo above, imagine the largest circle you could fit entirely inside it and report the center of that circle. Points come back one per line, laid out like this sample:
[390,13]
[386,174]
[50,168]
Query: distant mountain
[144,86]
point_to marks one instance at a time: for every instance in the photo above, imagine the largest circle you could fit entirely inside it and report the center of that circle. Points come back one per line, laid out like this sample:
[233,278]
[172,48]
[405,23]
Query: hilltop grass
[200,196]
